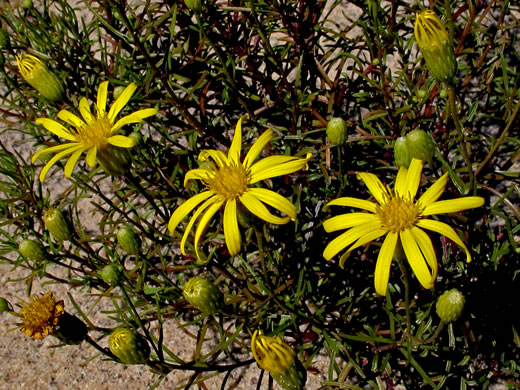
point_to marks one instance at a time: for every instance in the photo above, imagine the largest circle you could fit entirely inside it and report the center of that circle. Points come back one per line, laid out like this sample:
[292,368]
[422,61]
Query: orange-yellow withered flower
[94,134]
[230,181]
[399,218]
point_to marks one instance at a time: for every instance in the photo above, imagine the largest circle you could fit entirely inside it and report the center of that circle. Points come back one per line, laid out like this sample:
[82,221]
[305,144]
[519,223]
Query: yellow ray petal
[84,110]
[121,101]
[275,200]
[274,166]
[72,162]
[384,261]
[376,188]
[56,128]
[194,219]
[372,235]
[400,181]
[135,117]
[344,221]
[185,208]
[413,178]
[198,174]
[347,238]
[121,141]
[434,192]
[445,230]
[353,202]
[231,232]
[257,147]
[216,155]
[53,149]
[257,208]
[55,159]
[453,205]
[203,224]
[91,157]
[101,104]
[71,119]
[236,144]
[416,259]
[426,246]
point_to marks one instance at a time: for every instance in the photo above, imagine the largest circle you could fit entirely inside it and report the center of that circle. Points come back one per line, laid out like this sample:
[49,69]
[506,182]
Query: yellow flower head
[433,41]
[94,134]
[398,217]
[40,315]
[34,71]
[229,180]
[272,353]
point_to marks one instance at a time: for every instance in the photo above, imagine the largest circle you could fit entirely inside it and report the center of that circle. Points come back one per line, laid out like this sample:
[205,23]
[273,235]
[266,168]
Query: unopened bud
[401,154]
[36,73]
[57,225]
[194,5]
[32,250]
[111,274]
[420,145]
[450,305]
[203,295]
[128,346]
[128,240]
[337,131]
[115,160]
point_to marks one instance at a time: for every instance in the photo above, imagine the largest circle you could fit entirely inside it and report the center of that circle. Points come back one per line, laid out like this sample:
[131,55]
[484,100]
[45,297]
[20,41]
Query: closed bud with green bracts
[36,73]
[194,5]
[57,225]
[111,274]
[202,294]
[32,250]
[128,240]
[337,131]
[115,161]
[279,358]
[420,145]
[450,305]
[128,346]
[71,330]
[4,39]
[402,156]
[433,41]
[44,158]
[4,305]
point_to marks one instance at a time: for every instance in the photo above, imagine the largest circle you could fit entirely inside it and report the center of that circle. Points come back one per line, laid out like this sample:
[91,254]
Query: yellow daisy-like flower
[95,135]
[229,181]
[272,353]
[399,218]
[40,315]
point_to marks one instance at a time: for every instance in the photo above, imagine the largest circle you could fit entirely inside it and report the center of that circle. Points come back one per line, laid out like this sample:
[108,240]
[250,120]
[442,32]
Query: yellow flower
[95,135]
[433,41]
[229,181]
[40,315]
[39,76]
[272,353]
[397,216]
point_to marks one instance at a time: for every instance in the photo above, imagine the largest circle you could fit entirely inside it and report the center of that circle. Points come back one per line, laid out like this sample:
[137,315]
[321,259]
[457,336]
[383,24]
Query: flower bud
[276,356]
[115,161]
[45,157]
[57,225]
[450,305]
[420,145]
[128,240]
[433,42]
[111,274]
[401,154]
[337,131]
[203,295]
[32,250]
[4,305]
[39,76]
[128,346]
[194,5]
[118,91]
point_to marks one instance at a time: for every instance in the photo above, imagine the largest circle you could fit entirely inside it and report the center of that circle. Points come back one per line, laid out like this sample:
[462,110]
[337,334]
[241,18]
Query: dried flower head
[40,315]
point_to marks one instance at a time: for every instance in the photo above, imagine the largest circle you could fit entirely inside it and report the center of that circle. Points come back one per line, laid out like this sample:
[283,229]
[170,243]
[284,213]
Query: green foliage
[290,66]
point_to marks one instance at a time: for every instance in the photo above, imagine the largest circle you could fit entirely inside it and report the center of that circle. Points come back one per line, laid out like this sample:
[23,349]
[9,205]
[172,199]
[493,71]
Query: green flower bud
[433,42]
[4,305]
[443,93]
[111,274]
[36,73]
[71,330]
[450,305]
[137,137]
[27,4]
[420,145]
[194,5]
[115,161]
[32,250]
[203,295]
[118,91]
[402,156]
[293,378]
[4,39]
[337,131]
[57,225]
[128,346]
[128,240]
[46,157]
